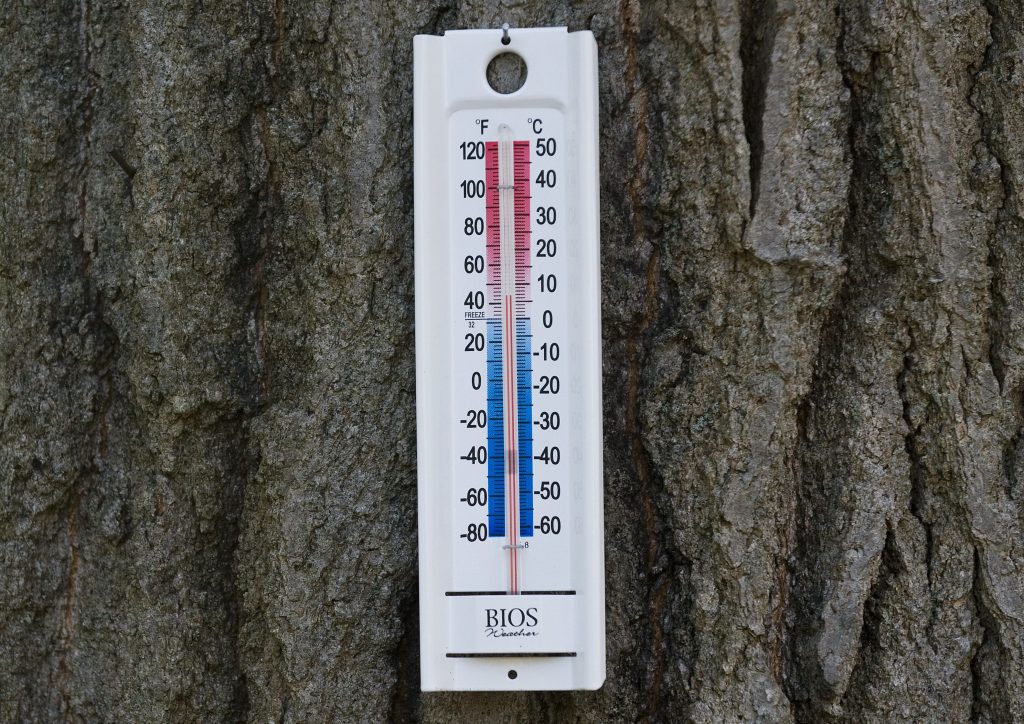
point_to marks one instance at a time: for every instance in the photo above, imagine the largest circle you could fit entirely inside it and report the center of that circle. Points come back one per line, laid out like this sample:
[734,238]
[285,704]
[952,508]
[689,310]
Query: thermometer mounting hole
[512,673]
[506,73]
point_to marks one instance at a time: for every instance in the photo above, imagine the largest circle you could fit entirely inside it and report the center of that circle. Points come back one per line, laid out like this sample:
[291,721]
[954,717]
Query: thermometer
[508,364]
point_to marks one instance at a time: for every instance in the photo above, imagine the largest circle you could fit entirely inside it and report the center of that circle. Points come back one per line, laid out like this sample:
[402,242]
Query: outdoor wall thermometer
[508,363]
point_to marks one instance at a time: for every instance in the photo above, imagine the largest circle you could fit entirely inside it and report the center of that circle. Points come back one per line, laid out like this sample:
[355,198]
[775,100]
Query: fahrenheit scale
[508,364]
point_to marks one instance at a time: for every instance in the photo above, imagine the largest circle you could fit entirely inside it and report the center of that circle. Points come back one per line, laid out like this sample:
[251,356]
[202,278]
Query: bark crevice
[912,445]
[92,324]
[758,27]
[985,666]
[997,304]
[405,698]
[660,570]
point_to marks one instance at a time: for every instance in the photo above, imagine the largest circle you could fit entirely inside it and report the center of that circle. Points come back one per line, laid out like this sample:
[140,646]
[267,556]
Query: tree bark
[813,302]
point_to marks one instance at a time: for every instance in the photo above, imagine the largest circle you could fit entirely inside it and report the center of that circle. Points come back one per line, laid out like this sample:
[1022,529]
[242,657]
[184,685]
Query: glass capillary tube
[507,248]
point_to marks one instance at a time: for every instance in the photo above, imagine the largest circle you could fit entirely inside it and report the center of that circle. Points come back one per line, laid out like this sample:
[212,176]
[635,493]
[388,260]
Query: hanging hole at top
[505,39]
[506,73]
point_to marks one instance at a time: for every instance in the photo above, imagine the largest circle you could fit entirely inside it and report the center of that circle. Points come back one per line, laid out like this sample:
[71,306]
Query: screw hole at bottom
[512,673]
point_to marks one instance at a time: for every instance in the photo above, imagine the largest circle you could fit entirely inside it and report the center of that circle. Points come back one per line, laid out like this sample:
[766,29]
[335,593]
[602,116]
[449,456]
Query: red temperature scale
[508,364]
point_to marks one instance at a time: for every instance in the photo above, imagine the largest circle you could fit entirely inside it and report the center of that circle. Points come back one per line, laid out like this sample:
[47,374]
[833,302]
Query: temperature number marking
[549,489]
[475,496]
[472,150]
[475,532]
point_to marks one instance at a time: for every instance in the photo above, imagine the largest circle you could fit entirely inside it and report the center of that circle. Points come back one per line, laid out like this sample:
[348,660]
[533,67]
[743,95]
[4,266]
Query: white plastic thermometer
[508,364]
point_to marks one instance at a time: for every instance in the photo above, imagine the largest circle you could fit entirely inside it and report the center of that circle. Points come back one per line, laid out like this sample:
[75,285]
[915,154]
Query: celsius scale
[508,364]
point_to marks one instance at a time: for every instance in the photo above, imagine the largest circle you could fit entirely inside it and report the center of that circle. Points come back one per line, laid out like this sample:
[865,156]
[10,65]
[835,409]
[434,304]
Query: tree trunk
[813,278]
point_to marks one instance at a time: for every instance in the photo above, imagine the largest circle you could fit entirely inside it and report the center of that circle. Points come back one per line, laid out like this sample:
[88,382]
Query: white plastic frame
[450,76]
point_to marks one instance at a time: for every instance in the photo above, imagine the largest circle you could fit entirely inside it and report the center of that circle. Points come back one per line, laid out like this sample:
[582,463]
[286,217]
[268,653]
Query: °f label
[508,364]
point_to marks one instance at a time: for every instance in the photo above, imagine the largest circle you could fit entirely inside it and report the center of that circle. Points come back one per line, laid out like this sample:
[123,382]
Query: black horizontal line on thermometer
[506,593]
[553,654]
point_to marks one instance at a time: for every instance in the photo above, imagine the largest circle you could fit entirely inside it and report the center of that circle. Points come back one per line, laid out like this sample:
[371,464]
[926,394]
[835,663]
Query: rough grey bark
[814,327]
